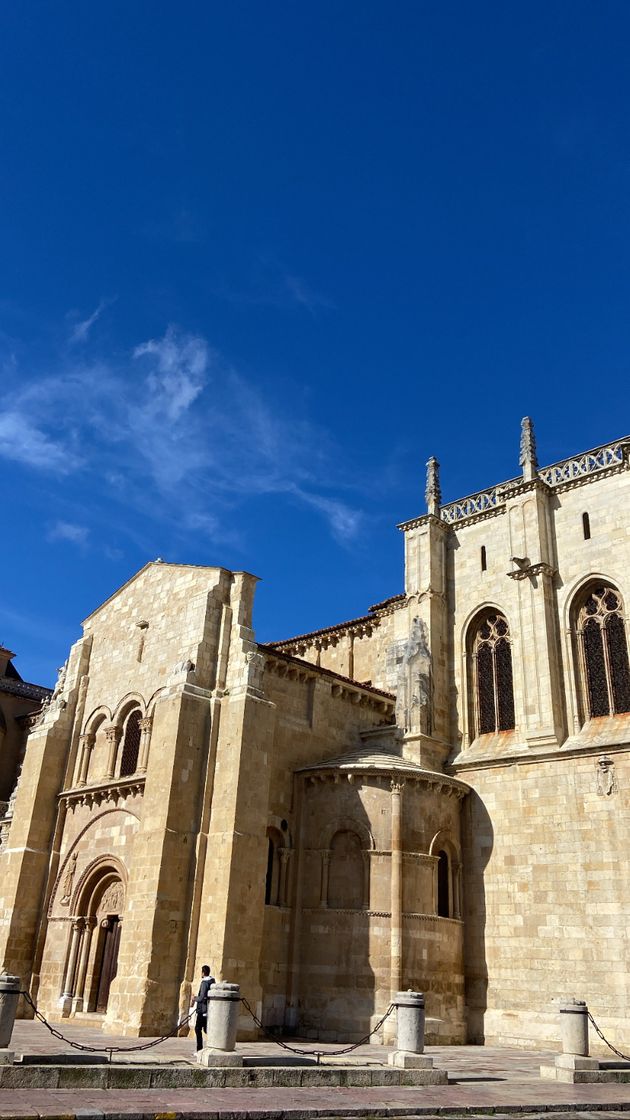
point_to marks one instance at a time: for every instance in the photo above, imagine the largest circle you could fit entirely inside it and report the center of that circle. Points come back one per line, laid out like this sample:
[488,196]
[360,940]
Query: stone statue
[414,687]
[68,880]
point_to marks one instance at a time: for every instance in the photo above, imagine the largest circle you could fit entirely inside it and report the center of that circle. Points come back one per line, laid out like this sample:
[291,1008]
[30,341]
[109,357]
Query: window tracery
[604,652]
[493,685]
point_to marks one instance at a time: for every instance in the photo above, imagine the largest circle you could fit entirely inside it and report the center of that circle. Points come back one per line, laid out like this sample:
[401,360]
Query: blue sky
[259,261]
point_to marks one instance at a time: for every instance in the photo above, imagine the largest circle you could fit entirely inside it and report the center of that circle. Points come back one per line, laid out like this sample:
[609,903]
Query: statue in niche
[414,687]
[68,880]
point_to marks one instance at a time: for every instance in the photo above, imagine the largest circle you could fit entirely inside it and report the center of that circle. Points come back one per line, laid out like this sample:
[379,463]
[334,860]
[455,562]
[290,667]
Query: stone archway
[92,957]
[109,924]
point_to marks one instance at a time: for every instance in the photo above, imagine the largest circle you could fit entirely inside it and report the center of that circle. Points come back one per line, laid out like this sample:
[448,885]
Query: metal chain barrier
[317,1053]
[103,1049]
[624,1057]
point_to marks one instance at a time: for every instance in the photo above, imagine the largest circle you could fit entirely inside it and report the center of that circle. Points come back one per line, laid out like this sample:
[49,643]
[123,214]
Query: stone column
[366,878]
[396,889]
[86,942]
[113,736]
[78,926]
[323,898]
[224,1004]
[145,738]
[285,860]
[86,743]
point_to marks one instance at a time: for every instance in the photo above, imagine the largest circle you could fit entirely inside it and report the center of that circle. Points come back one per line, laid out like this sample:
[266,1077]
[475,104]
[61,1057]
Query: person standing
[200,1004]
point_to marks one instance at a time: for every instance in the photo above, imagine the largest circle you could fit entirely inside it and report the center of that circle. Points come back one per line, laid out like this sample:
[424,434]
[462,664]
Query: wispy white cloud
[81,330]
[345,522]
[179,377]
[22,441]
[176,433]
[68,531]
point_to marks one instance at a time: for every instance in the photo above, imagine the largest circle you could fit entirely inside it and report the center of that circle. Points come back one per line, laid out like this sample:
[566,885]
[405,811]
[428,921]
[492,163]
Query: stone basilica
[434,796]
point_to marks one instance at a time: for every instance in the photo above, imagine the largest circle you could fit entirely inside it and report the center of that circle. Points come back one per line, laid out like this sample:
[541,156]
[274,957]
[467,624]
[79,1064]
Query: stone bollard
[9,995]
[574,1027]
[410,1038]
[573,1063]
[224,1005]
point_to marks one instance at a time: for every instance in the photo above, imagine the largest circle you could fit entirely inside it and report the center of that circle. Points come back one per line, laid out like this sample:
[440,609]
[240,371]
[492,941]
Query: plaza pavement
[482,1081]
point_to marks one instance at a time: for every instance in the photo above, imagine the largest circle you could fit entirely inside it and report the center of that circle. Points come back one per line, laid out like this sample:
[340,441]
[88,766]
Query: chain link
[624,1057]
[318,1054]
[183,1022]
[103,1049]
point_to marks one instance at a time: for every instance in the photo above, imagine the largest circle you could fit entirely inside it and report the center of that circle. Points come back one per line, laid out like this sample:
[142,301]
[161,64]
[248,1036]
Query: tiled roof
[364,620]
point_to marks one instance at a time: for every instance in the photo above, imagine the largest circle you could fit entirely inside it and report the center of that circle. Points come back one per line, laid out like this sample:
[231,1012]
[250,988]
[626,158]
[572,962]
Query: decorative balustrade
[558,474]
[591,462]
[467,507]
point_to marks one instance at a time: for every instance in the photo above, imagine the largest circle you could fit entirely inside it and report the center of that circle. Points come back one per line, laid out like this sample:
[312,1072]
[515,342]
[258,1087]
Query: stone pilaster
[533,567]
[144,996]
[25,864]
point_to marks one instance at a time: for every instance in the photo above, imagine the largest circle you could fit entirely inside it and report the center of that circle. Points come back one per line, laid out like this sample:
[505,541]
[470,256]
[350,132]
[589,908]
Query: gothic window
[484,561]
[131,744]
[493,684]
[586,526]
[601,633]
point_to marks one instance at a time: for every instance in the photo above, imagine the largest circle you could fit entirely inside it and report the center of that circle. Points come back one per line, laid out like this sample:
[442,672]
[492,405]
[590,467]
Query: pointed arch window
[493,681]
[601,631]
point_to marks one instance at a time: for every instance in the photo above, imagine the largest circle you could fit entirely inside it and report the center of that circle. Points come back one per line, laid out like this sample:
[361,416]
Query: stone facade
[432,796]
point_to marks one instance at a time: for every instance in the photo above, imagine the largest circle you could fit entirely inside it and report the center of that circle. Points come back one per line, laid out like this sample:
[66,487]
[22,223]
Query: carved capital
[145,724]
[113,735]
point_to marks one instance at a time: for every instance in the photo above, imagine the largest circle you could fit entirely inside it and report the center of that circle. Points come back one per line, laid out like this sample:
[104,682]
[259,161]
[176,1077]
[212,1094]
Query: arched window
[601,634]
[443,886]
[273,878]
[492,663]
[131,744]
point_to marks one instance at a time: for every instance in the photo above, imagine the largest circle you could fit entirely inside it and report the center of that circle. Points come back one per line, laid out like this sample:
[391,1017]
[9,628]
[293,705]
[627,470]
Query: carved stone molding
[104,792]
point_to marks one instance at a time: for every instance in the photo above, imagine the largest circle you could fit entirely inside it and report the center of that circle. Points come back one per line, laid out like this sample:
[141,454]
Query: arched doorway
[92,957]
[109,925]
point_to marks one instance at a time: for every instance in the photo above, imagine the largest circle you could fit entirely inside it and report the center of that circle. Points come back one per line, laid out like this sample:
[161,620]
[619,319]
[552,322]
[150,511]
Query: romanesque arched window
[601,632]
[443,885]
[275,843]
[492,671]
[131,743]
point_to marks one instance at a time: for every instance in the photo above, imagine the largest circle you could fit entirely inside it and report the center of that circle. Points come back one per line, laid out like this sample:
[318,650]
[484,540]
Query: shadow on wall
[337,988]
[477,843]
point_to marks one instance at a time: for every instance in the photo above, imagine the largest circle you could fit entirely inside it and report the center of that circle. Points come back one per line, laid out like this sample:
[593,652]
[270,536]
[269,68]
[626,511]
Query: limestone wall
[546,900]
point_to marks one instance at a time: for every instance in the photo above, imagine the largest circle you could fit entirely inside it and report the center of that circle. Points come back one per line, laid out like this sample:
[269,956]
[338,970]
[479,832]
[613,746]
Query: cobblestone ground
[482,1081]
